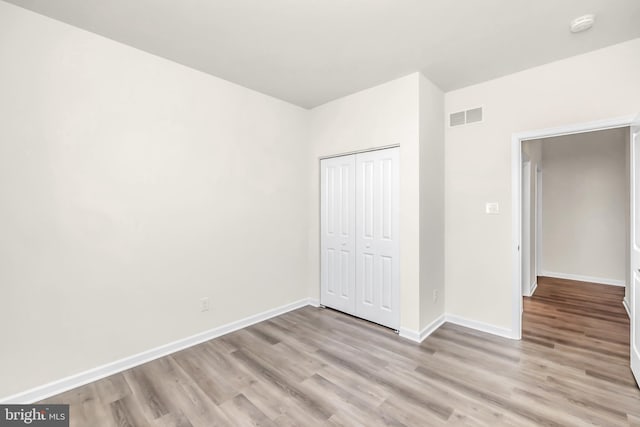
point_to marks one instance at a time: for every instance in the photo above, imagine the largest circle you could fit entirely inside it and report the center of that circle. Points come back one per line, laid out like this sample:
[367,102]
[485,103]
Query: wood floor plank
[127,412]
[244,413]
[319,367]
[274,376]
[145,388]
[173,419]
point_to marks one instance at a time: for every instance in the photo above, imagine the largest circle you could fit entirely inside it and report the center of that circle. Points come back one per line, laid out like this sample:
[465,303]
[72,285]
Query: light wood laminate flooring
[318,367]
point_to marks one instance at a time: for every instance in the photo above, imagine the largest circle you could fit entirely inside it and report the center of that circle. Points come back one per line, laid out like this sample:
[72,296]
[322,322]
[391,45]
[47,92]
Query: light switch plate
[492,208]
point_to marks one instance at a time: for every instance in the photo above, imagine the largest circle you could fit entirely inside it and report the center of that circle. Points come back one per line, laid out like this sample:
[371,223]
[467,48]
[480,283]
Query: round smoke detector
[582,23]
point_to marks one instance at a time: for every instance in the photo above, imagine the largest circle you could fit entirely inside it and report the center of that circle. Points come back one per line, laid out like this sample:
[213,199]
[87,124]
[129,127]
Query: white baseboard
[314,302]
[419,336]
[432,327]
[409,334]
[625,304]
[599,280]
[60,386]
[532,289]
[480,326]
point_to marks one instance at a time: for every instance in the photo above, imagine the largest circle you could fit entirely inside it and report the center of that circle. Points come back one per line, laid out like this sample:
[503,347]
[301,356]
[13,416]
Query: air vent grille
[460,118]
[457,119]
[474,115]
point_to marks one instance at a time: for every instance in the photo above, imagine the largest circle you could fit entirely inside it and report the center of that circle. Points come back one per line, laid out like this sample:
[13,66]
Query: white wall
[407,111]
[130,187]
[431,202]
[584,207]
[384,115]
[601,84]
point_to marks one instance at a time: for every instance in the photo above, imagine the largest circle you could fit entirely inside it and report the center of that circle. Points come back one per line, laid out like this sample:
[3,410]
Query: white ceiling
[309,52]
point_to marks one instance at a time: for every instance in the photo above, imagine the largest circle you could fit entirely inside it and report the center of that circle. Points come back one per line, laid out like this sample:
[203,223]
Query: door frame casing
[631,297]
[516,198]
[526,229]
[538,221]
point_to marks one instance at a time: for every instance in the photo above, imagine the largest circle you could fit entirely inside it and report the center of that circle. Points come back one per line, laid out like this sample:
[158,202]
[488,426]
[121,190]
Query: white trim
[532,289]
[538,236]
[418,337]
[366,150]
[616,122]
[432,327]
[516,202]
[516,233]
[409,334]
[481,326]
[580,278]
[525,247]
[625,304]
[64,384]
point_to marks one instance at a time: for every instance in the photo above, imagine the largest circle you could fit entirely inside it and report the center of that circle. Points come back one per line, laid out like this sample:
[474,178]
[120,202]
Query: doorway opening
[520,158]
[575,198]
[523,266]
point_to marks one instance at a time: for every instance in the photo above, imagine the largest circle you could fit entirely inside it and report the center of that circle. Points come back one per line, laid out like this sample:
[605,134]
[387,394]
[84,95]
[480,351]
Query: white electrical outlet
[435,295]
[204,304]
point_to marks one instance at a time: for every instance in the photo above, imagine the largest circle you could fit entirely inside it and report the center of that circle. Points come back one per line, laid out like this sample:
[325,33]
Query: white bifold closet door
[338,242]
[359,235]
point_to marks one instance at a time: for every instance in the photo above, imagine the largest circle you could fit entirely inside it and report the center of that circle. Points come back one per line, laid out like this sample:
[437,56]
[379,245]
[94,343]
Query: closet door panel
[377,243]
[337,229]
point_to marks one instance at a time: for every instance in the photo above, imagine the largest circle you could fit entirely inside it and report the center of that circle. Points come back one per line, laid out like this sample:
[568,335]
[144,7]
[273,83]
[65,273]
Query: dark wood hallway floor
[315,367]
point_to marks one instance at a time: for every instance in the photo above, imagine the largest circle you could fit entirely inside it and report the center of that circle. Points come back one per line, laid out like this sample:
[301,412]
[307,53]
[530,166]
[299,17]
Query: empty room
[319,213]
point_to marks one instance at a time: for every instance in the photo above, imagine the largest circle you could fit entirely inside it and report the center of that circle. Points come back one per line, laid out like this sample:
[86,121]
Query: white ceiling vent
[460,118]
